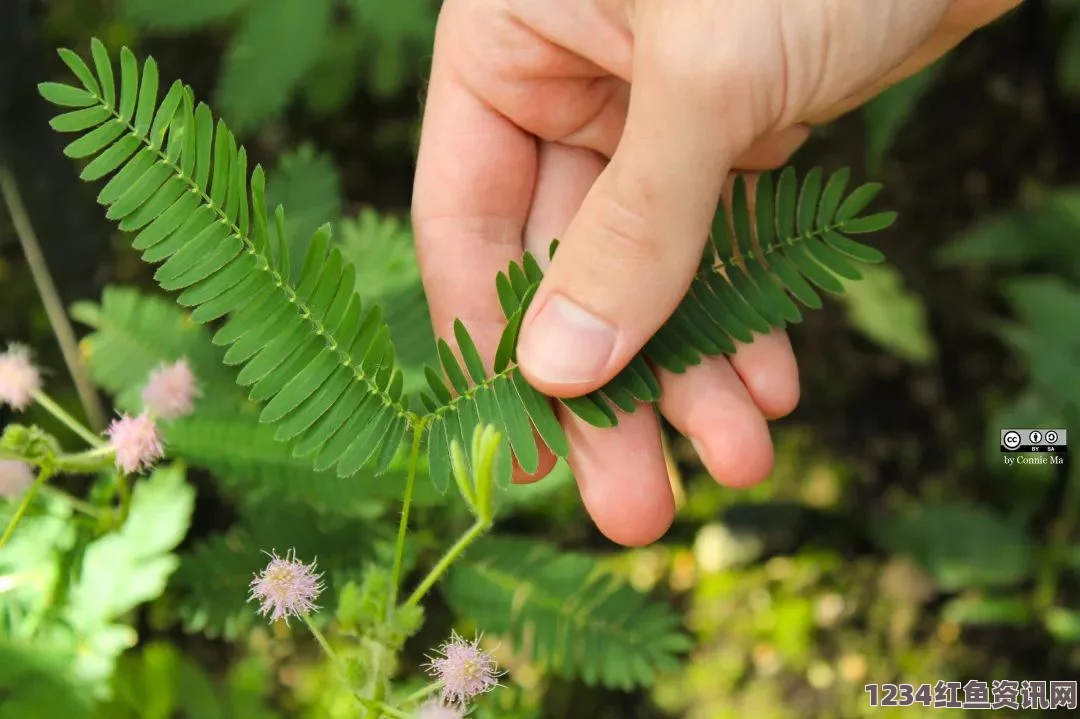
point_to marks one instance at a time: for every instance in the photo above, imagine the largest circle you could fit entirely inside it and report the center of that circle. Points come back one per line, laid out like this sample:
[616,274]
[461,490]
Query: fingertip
[710,405]
[769,371]
[622,477]
[737,454]
[545,465]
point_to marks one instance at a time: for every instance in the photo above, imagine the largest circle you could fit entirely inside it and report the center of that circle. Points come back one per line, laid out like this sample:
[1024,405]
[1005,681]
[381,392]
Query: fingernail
[566,344]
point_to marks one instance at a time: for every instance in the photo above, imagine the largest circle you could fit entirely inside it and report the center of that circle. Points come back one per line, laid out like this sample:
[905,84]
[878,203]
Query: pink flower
[19,378]
[436,709]
[171,391]
[15,478]
[286,587]
[136,441]
[464,669]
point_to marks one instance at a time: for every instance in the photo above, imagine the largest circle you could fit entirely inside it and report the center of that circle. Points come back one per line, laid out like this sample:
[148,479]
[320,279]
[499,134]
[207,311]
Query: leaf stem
[76,503]
[377,708]
[28,497]
[423,693]
[403,525]
[474,532]
[327,649]
[54,306]
[68,421]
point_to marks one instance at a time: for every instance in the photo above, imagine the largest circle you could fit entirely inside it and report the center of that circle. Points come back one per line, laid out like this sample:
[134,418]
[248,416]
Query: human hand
[613,125]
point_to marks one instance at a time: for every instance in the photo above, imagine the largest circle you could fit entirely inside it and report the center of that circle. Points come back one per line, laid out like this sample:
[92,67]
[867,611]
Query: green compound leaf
[323,362]
[569,616]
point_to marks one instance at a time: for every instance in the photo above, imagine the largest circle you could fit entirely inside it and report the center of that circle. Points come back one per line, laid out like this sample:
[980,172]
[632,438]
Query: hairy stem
[76,503]
[478,528]
[68,421]
[54,307]
[423,693]
[327,649]
[28,497]
[88,462]
[403,525]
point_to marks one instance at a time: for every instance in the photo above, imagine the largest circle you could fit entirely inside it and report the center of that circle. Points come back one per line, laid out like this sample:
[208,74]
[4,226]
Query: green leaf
[35,683]
[566,614]
[307,182]
[960,546]
[887,113]
[278,41]
[179,16]
[989,611]
[893,317]
[130,566]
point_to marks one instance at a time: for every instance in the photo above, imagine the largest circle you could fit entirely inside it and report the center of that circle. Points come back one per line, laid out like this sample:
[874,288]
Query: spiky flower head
[436,709]
[15,478]
[171,391]
[136,441]
[19,378]
[464,669]
[286,587]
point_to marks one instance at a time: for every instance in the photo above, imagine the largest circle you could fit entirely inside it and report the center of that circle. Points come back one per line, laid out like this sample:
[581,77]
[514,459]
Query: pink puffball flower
[286,587]
[136,441]
[464,669]
[171,391]
[436,709]
[19,378]
[15,478]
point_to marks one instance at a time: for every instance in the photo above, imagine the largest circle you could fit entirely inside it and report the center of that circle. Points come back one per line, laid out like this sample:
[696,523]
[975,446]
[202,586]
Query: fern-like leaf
[310,351]
[325,365]
[566,614]
[752,272]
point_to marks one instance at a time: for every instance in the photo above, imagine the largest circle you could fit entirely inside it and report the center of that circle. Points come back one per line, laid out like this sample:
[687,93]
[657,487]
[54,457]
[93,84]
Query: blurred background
[891,543]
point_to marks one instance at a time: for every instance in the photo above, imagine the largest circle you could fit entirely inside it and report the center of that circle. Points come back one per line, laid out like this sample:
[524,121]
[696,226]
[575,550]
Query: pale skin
[614,125]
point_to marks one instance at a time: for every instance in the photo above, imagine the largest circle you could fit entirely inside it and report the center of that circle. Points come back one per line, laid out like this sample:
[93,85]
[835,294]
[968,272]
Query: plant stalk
[67,420]
[474,532]
[28,497]
[54,306]
[403,525]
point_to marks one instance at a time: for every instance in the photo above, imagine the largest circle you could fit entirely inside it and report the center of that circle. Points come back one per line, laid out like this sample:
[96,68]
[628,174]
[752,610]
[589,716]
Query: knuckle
[623,221]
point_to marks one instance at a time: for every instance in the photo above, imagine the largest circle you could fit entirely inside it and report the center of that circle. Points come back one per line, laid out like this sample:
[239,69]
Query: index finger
[474,182]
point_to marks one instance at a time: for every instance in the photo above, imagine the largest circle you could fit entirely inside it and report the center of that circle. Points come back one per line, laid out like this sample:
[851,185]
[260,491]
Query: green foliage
[961,546]
[280,48]
[325,366]
[305,179]
[1046,305]
[565,613]
[175,16]
[212,583]
[887,113]
[890,314]
[34,685]
[77,618]
[159,681]
[277,43]
[1048,224]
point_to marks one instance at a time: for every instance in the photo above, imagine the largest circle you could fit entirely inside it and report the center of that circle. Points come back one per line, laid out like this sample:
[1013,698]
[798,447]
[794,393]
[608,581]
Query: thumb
[628,257]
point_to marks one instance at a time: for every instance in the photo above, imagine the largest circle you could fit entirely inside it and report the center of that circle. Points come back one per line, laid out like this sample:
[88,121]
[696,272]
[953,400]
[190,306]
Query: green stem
[54,306]
[327,649]
[403,525]
[76,503]
[85,462]
[478,528]
[42,478]
[423,693]
[390,711]
[70,422]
